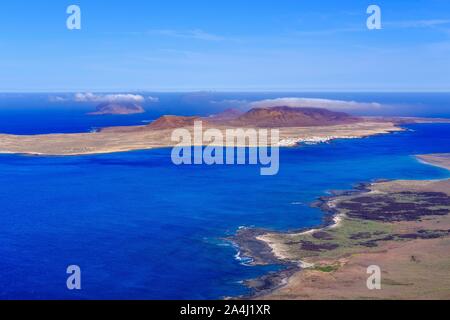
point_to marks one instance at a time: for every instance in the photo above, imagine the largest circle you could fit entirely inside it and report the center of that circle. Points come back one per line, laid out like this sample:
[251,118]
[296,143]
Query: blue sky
[232,45]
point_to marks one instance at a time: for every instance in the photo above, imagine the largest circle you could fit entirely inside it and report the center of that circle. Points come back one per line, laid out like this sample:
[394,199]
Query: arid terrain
[296,125]
[401,226]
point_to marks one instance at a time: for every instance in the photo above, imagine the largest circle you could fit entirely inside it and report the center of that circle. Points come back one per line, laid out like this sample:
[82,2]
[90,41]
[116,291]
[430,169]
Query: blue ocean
[140,227]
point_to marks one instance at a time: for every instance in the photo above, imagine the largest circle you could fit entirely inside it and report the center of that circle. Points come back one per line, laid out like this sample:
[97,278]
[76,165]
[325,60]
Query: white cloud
[314,103]
[235,103]
[57,99]
[418,23]
[153,99]
[197,34]
[325,32]
[91,97]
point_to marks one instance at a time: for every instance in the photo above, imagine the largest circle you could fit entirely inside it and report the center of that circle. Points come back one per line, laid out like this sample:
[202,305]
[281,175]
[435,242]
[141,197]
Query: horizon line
[221,91]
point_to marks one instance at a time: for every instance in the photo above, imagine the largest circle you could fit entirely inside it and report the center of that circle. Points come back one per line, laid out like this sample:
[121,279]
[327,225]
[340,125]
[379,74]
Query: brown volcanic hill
[165,122]
[117,108]
[172,122]
[275,117]
[228,114]
[292,117]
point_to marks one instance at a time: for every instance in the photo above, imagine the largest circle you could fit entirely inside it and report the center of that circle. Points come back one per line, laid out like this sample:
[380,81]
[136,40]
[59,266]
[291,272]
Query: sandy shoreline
[278,252]
[438,160]
[141,138]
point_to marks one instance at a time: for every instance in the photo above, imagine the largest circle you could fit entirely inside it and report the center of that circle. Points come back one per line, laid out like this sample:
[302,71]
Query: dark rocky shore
[259,252]
[359,206]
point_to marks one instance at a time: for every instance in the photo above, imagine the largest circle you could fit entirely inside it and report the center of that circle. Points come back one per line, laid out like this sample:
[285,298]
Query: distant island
[296,126]
[117,108]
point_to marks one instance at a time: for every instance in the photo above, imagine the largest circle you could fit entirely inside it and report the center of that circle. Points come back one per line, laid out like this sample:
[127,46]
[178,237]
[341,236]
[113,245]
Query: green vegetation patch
[327,268]
[338,241]
[369,220]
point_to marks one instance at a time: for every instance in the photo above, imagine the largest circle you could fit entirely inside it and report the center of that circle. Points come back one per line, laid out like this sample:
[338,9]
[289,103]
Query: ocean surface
[142,228]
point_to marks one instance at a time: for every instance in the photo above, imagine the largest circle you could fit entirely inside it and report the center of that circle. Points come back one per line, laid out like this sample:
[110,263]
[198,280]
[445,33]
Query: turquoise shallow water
[141,228]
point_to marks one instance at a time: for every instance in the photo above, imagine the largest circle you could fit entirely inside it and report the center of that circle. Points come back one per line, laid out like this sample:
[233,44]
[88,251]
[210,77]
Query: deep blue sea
[142,228]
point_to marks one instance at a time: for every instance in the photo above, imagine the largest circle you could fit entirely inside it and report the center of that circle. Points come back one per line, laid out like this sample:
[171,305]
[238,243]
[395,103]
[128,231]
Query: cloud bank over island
[314,103]
[106,98]
[296,102]
[91,97]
